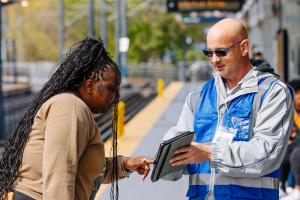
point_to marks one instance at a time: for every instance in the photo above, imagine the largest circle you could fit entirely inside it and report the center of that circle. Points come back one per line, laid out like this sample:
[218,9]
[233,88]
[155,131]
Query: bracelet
[126,170]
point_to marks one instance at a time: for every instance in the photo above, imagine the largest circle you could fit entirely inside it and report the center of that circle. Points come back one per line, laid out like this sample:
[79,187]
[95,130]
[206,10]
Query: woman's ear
[89,86]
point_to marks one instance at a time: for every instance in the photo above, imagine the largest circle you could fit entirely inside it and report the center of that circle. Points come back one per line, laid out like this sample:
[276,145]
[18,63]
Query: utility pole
[4,35]
[91,21]
[2,121]
[117,32]
[124,18]
[14,60]
[124,60]
[104,22]
[61,30]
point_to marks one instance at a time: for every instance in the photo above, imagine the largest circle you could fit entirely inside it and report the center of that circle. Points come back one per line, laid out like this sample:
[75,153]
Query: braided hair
[85,59]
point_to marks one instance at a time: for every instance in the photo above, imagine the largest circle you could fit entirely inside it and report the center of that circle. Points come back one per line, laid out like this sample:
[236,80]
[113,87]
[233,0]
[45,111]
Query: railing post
[160,87]
[121,119]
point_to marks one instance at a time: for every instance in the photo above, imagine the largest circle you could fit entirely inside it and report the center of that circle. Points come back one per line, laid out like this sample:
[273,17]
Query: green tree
[151,30]
[34,29]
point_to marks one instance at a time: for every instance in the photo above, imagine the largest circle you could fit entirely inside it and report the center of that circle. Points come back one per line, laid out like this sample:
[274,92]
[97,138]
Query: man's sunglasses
[219,52]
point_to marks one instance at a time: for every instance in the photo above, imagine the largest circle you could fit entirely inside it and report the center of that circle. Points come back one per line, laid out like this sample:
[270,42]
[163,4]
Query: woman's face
[297,101]
[104,92]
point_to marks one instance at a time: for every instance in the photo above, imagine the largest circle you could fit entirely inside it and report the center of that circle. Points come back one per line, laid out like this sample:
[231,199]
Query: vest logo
[242,125]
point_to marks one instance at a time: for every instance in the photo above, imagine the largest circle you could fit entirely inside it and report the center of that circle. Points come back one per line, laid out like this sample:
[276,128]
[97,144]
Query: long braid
[84,58]
[114,192]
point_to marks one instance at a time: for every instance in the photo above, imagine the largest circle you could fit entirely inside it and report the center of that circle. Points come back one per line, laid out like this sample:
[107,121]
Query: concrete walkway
[150,125]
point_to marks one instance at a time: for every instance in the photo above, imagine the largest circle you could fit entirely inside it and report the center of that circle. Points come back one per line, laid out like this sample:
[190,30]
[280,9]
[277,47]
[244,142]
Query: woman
[56,151]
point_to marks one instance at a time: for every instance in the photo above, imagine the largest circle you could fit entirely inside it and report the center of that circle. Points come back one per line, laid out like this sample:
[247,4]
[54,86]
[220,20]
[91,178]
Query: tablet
[165,152]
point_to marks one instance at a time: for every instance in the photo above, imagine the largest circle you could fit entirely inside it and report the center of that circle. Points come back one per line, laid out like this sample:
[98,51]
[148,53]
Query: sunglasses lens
[208,53]
[220,53]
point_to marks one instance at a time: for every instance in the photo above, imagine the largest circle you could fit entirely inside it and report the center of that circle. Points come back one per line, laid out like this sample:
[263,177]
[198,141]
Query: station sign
[187,19]
[203,5]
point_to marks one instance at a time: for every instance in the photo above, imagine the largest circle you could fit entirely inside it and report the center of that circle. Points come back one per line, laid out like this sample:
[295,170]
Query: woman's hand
[140,165]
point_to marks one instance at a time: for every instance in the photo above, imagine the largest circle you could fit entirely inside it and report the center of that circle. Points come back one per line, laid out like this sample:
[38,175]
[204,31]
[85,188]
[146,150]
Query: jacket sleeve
[264,152]
[108,169]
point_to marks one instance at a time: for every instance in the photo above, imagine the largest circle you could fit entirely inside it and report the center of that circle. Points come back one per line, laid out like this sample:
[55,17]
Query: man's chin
[220,73]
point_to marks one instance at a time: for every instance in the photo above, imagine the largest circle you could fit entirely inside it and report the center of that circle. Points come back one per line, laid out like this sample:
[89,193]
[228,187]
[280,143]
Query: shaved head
[227,42]
[229,28]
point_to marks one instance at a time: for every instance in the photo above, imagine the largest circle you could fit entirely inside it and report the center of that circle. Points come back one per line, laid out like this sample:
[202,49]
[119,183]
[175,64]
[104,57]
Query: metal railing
[135,100]
[166,72]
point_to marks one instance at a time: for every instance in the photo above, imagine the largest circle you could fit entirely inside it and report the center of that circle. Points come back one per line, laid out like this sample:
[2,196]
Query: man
[242,121]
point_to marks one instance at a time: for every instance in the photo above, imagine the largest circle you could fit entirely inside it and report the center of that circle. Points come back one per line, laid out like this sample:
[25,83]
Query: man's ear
[245,47]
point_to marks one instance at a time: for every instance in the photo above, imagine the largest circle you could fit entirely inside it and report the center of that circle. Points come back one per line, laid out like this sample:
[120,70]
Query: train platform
[142,137]
[15,89]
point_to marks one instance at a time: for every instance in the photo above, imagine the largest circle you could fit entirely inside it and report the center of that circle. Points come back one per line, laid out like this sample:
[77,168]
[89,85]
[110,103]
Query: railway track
[134,99]
[134,102]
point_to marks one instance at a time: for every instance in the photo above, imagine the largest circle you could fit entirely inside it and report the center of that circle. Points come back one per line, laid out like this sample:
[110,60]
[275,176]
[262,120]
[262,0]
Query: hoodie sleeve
[264,152]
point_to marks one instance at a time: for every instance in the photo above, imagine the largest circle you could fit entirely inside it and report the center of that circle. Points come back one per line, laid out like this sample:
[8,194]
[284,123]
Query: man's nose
[215,58]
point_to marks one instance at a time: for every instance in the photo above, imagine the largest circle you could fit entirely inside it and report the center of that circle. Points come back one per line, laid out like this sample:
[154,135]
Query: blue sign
[200,19]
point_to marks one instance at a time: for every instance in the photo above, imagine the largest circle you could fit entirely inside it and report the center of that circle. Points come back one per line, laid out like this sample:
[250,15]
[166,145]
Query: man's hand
[140,165]
[195,153]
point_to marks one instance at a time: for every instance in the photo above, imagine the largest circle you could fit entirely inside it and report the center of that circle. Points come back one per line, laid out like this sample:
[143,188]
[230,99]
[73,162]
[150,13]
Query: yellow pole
[121,119]
[160,87]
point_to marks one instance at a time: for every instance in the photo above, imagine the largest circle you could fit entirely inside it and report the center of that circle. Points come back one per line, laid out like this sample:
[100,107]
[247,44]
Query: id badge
[224,134]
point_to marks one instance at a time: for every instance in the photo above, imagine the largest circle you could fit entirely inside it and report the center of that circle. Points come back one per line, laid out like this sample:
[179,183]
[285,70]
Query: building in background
[274,30]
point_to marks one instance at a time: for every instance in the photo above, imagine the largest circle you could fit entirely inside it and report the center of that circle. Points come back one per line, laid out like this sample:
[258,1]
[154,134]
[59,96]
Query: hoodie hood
[263,67]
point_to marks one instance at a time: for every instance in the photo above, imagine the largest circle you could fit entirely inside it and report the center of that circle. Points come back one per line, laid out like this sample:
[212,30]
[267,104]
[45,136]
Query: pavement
[150,125]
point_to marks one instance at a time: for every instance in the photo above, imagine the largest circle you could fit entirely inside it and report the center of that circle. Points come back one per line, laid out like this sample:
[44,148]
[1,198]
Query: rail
[135,100]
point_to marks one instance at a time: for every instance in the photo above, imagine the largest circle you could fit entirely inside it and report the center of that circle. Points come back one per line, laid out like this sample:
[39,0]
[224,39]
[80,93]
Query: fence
[166,72]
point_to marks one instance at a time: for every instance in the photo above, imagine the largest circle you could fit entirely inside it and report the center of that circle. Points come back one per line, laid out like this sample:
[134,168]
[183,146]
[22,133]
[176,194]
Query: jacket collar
[248,84]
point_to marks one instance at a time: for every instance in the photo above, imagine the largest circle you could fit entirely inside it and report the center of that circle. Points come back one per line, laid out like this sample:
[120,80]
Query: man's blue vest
[239,117]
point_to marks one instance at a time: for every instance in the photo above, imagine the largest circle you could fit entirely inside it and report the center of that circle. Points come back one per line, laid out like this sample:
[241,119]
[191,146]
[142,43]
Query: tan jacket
[64,153]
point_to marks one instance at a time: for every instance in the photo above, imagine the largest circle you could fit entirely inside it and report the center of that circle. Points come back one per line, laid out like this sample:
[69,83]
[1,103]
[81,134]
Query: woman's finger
[148,161]
[146,171]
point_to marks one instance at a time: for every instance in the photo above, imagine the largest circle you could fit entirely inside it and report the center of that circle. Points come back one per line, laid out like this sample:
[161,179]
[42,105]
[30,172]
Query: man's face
[226,66]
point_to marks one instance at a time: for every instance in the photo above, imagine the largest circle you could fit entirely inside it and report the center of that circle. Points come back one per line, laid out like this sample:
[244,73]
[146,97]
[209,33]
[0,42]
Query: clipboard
[166,150]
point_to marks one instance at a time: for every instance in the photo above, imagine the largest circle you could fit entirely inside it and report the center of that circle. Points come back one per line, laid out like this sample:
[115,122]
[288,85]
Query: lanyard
[210,195]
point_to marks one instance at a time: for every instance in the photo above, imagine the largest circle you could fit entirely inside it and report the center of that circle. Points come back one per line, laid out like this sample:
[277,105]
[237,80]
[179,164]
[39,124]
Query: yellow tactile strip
[140,124]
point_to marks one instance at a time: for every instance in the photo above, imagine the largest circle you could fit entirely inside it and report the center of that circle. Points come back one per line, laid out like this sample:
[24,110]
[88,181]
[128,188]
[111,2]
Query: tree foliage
[151,30]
